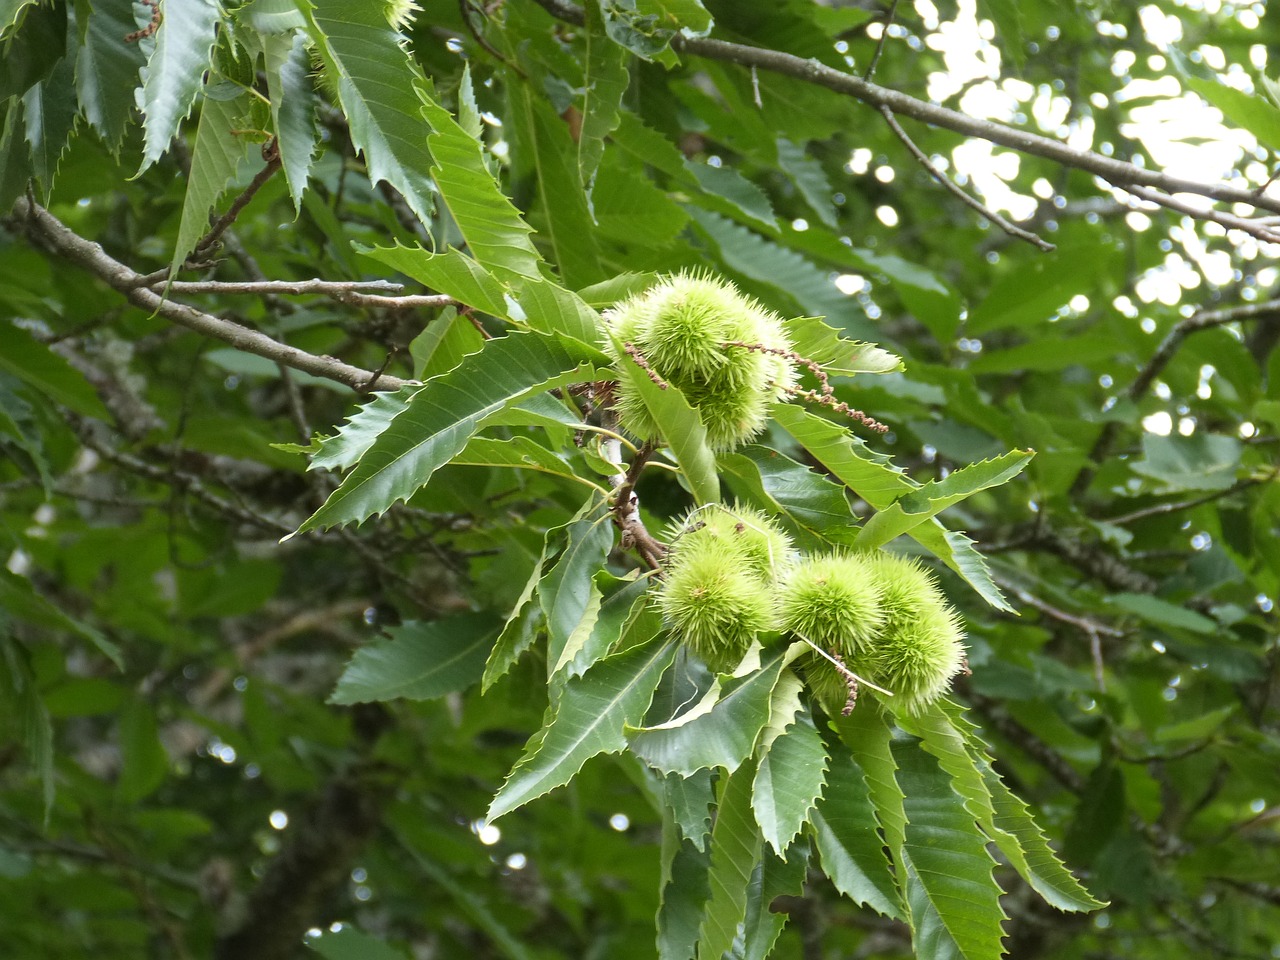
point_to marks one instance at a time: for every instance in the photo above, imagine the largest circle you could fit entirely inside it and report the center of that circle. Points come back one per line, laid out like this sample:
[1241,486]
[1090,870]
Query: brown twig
[62,241]
[884,35]
[954,189]
[626,513]
[1255,228]
[634,353]
[839,406]
[272,157]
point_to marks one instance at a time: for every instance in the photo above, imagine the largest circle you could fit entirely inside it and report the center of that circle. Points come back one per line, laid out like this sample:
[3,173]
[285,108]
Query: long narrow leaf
[172,76]
[589,720]
[735,850]
[442,417]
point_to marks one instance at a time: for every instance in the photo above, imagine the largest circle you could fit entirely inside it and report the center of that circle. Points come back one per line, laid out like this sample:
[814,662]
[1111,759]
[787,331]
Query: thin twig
[1162,509]
[272,156]
[1114,171]
[954,188]
[884,35]
[1255,228]
[61,240]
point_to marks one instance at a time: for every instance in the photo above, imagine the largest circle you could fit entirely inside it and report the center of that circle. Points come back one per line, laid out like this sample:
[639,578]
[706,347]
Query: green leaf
[348,943]
[293,107]
[36,365]
[631,210]
[10,11]
[35,727]
[604,84]
[952,895]
[809,177]
[1202,461]
[925,502]
[690,17]
[589,720]
[143,761]
[742,196]
[377,83]
[684,893]
[806,501]
[19,599]
[816,340]
[688,800]
[358,434]
[521,627]
[788,782]
[772,877]
[49,111]
[568,591]
[594,637]
[550,308]
[491,225]
[443,343]
[681,427]
[735,850]
[107,70]
[215,161]
[421,661]
[1033,291]
[452,273]
[442,416]
[1251,112]
[174,71]
[867,734]
[721,730]
[34,50]
[1163,613]
[624,285]
[870,476]
[519,453]
[848,840]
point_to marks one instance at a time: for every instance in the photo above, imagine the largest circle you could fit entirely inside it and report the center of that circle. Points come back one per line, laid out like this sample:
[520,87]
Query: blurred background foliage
[172,781]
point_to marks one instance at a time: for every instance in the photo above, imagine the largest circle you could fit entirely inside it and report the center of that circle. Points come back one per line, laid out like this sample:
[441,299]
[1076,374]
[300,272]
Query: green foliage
[533,649]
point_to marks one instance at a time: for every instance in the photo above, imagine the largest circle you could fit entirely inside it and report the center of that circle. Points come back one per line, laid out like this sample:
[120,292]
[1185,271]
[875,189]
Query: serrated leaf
[688,800]
[851,850]
[806,501]
[293,108]
[721,730]
[49,113]
[772,877]
[681,427]
[788,782]
[357,435]
[215,161]
[589,720]
[568,591]
[107,70]
[496,234]
[684,892]
[375,78]
[630,209]
[624,285]
[597,634]
[955,744]
[914,508]
[809,178]
[421,661]
[550,308]
[175,70]
[604,84]
[452,273]
[443,343]
[520,629]
[952,895]
[543,142]
[743,196]
[518,453]
[872,478]
[816,340]
[735,850]
[867,733]
[272,16]
[442,416]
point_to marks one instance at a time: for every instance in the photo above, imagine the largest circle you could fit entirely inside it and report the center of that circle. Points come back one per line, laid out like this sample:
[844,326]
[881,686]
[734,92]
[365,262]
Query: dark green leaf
[735,850]
[421,661]
[788,783]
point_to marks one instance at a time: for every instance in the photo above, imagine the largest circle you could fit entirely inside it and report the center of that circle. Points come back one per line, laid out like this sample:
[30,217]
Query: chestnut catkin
[721,350]
[921,645]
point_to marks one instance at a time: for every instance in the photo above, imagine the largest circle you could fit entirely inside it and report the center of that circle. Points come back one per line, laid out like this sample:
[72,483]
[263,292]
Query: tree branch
[1116,172]
[1255,228]
[62,241]
[356,293]
[954,189]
